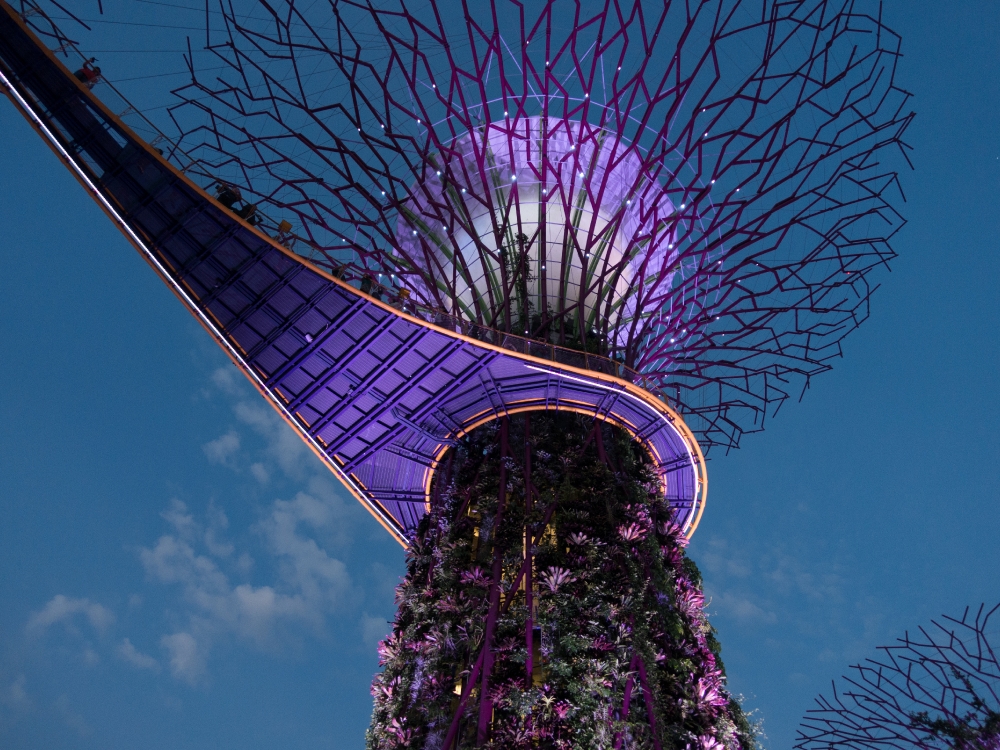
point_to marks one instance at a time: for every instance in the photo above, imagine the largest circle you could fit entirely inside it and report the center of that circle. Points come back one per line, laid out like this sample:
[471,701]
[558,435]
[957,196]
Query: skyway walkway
[377,393]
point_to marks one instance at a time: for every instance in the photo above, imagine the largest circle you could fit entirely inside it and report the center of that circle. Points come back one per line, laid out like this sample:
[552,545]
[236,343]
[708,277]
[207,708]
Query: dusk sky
[178,571]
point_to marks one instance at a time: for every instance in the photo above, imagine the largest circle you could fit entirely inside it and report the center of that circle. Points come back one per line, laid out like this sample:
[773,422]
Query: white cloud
[284,446]
[374,629]
[64,609]
[260,473]
[742,608]
[295,584]
[309,569]
[227,379]
[244,563]
[186,661]
[173,560]
[177,516]
[129,653]
[223,449]
[217,523]
[309,585]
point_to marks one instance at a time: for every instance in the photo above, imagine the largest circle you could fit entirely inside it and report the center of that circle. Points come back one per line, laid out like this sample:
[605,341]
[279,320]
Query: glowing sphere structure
[938,689]
[529,227]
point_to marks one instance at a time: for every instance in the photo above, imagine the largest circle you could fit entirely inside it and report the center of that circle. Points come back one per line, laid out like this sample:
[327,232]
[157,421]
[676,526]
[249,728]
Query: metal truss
[718,178]
[937,690]
[378,392]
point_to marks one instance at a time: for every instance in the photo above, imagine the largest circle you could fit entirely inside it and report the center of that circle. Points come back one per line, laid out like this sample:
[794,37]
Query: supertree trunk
[548,602]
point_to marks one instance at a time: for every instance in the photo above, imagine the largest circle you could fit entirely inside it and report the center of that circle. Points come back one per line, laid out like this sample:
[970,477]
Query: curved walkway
[378,394]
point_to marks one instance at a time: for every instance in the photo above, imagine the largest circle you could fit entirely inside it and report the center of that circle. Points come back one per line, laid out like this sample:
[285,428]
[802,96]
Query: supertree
[483,257]
[698,190]
[936,690]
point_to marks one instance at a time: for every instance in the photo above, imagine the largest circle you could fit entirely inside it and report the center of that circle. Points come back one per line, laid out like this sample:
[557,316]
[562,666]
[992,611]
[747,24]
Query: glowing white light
[520,172]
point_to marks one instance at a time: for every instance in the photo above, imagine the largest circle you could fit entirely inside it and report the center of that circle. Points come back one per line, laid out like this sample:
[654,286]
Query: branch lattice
[704,192]
[937,690]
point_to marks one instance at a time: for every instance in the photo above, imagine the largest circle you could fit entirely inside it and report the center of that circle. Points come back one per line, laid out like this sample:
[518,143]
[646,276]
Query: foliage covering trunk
[599,641]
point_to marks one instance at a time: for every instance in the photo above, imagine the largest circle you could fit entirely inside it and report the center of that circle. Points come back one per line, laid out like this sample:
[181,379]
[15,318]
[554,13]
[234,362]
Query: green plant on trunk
[548,603]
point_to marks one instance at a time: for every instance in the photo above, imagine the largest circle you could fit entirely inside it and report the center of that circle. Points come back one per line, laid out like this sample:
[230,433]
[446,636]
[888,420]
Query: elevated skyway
[378,393]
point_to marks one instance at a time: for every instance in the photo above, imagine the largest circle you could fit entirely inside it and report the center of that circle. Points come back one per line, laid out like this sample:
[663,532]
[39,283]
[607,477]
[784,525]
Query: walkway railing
[521,344]
[142,126]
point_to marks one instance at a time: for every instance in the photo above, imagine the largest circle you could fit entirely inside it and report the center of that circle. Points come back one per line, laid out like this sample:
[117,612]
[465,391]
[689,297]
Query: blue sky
[177,571]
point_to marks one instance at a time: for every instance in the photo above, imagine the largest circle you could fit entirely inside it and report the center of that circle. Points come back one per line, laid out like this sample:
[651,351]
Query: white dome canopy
[572,205]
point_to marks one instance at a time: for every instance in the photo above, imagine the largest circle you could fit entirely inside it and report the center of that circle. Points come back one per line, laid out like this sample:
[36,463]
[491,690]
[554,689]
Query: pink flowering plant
[608,645]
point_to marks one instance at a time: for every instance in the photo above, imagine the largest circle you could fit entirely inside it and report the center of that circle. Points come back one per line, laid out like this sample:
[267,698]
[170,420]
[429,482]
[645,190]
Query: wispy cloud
[130,654]
[742,608]
[187,662]
[15,696]
[300,584]
[309,583]
[64,609]
[223,449]
[275,579]
[806,596]
[373,629]
[284,447]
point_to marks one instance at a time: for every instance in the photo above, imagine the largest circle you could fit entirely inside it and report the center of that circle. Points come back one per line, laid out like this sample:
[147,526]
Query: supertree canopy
[700,190]
[936,690]
[484,257]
